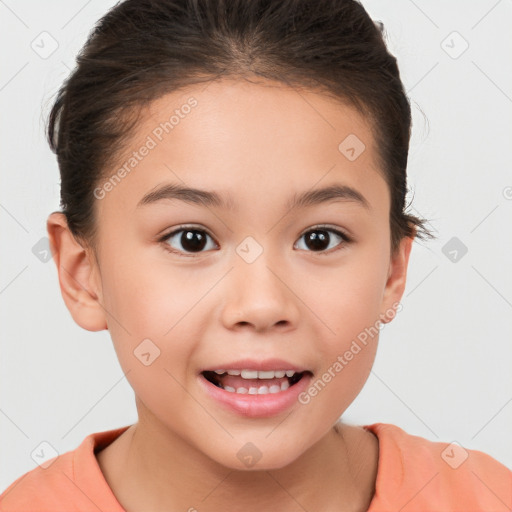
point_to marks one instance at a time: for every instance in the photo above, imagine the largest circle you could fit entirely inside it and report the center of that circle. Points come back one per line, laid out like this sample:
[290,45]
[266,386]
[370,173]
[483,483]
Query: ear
[79,278]
[396,281]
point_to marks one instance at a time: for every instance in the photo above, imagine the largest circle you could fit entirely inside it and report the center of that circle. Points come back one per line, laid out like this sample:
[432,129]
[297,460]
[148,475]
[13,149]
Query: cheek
[149,298]
[347,356]
[349,299]
[150,317]
[348,304]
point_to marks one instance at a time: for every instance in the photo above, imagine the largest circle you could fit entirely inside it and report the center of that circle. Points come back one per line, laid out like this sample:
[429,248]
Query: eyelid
[336,229]
[181,227]
[342,232]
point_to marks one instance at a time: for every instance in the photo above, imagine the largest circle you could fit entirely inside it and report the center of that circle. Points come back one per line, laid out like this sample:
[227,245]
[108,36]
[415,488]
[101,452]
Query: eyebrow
[169,191]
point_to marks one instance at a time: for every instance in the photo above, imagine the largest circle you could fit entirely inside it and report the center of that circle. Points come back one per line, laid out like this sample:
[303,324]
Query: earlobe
[396,281]
[77,272]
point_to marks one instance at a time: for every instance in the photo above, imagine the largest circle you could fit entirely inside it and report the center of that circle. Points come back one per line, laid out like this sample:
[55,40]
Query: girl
[233,193]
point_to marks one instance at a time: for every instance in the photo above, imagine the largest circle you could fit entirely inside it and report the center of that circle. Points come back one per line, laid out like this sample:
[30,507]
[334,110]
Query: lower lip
[256,406]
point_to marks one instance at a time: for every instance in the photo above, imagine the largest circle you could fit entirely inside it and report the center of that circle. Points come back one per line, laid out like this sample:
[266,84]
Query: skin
[257,143]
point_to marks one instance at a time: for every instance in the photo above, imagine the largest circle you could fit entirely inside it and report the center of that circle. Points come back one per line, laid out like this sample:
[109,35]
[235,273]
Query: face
[245,275]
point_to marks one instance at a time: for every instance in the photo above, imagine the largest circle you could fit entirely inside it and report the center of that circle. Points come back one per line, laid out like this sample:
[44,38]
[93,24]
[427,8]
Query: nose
[259,295]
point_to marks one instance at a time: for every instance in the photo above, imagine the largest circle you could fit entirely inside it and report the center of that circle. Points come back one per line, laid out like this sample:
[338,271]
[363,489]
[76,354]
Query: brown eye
[188,240]
[322,239]
[317,240]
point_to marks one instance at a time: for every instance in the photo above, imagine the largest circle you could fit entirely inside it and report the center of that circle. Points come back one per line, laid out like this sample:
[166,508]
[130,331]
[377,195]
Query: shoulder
[71,481]
[416,474]
[36,489]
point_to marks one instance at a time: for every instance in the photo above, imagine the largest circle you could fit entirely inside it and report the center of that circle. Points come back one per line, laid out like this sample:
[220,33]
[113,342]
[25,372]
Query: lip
[256,406]
[253,364]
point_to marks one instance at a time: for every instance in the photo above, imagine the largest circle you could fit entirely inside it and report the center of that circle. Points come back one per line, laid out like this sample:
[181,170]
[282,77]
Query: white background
[443,369]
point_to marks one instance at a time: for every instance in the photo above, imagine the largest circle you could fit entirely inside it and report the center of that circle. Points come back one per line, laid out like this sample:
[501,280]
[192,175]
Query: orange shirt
[414,475]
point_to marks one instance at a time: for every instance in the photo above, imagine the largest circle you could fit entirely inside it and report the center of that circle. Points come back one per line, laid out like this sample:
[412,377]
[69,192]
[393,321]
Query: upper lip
[254,364]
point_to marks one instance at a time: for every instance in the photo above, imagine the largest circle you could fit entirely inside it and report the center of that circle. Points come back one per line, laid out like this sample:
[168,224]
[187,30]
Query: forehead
[244,139]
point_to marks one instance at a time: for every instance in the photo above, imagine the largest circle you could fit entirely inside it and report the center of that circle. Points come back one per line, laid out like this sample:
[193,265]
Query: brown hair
[143,49]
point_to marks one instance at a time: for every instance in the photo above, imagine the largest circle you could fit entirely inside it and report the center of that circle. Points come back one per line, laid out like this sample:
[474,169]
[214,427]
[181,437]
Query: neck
[149,469]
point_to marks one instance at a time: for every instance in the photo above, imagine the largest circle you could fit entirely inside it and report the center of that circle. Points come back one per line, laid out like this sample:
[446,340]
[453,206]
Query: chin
[257,456]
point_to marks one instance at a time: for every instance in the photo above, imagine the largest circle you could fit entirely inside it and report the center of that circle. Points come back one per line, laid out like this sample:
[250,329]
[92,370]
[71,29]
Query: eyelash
[345,239]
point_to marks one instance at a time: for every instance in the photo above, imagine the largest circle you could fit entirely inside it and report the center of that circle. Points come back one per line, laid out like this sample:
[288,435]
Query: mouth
[253,388]
[254,382]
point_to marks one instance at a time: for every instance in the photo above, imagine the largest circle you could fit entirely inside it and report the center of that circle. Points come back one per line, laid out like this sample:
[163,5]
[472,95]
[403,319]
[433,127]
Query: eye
[320,238]
[195,240]
[191,240]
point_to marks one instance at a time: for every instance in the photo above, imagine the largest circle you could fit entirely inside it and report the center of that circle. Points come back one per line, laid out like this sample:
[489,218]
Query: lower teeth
[261,390]
[266,387]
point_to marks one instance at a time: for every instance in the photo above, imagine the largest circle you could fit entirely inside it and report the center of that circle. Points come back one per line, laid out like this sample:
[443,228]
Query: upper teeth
[254,374]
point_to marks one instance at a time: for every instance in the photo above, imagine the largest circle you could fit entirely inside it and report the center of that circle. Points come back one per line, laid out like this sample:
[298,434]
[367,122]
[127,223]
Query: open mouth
[253,382]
